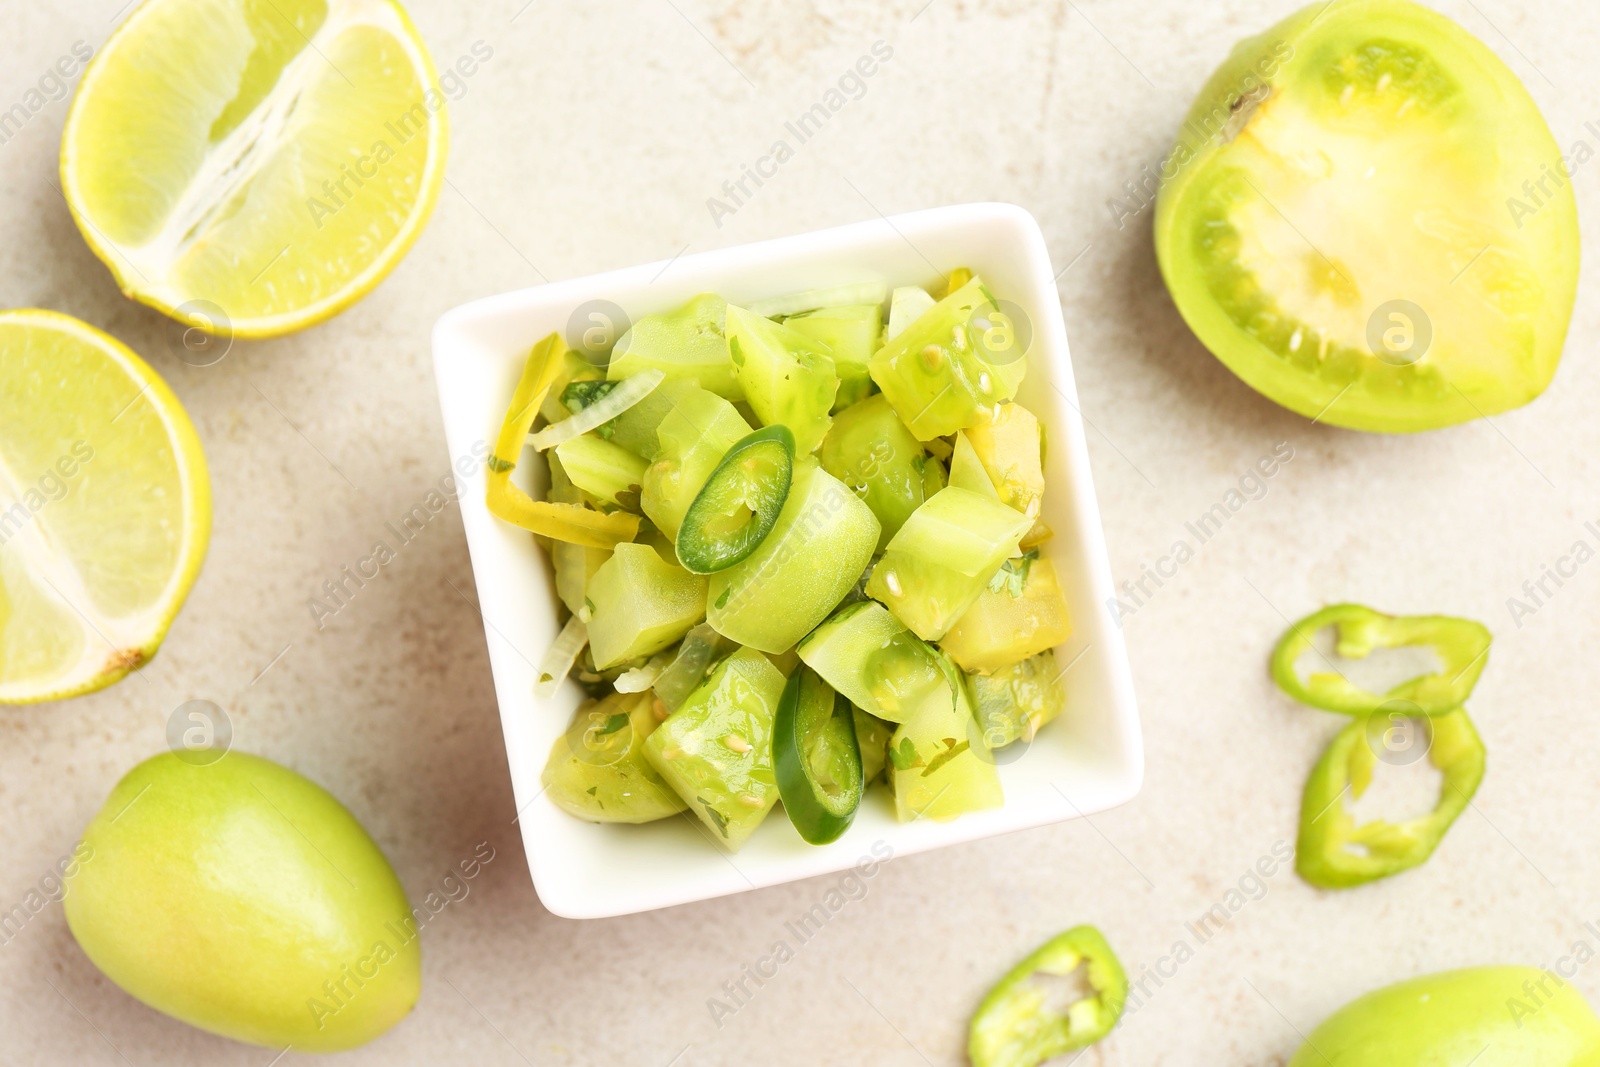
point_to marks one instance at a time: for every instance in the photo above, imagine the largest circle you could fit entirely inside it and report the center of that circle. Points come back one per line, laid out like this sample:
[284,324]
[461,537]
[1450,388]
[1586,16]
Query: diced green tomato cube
[869,449]
[685,344]
[867,654]
[939,767]
[597,770]
[1011,449]
[943,557]
[694,434]
[642,604]
[787,377]
[967,471]
[872,737]
[603,469]
[908,304]
[1016,701]
[1000,629]
[851,335]
[822,541]
[635,429]
[933,477]
[716,749]
[936,375]
[575,566]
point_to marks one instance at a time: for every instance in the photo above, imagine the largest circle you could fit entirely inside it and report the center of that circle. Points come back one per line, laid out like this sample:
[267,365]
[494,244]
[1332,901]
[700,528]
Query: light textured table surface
[592,139]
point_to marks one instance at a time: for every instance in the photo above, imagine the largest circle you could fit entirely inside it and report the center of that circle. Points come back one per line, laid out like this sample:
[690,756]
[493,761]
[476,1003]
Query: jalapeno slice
[1333,852]
[1461,645]
[816,757]
[739,504]
[1018,1025]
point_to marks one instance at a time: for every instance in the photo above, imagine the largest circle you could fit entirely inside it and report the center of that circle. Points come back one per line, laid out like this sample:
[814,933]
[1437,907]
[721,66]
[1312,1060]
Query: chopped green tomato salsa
[870,450]
[821,543]
[732,502]
[694,434]
[640,605]
[943,558]
[870,656]
[850,334]
[1461,645]
[1333,851]
[816,758]
[939,766]
[715,750]
[787,377]
[685,345]
[1015,701]
[597,769]
[936,373]
[739,504]
[872,741]
[1041,1010]
[1019,613]
[604,470]
[966,469]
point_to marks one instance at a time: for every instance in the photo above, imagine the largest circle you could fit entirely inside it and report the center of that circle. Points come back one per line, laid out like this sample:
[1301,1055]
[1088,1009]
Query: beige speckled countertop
[592,139]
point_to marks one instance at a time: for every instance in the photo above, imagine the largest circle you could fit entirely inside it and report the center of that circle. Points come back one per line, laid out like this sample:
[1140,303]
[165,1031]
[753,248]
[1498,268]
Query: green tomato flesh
[822,541]
[1016,701]
[603,469]
[694,435]
[871,657]
[229,895]
[850,334]
[1481,1016]
[936,372]
[687,344]
[1356,155]
[939,766]
[935,568]
[872,741]
[641,604]
[716,749]
[870,450]
[787,377]
[597,770]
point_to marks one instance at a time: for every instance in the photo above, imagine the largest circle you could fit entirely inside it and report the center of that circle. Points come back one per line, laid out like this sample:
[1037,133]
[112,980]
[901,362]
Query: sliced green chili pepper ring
[1334,852]
[1017,1025]
[816,757]
[737,507]
[1461,645]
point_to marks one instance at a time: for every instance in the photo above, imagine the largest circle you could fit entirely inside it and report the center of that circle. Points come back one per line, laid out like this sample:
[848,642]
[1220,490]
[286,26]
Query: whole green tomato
[243,899]
[1482,1016]
[1365,217]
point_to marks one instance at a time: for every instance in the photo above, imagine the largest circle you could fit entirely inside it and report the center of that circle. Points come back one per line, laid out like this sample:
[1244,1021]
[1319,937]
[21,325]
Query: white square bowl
[1087,761]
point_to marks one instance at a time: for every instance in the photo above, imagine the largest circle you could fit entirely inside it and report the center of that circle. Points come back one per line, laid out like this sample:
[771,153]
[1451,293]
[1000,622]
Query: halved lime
[105,508]
[255,164]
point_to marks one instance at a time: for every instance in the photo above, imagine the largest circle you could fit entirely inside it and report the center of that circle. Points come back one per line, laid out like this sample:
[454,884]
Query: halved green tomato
[739,504]
[1366,218]
[816,757]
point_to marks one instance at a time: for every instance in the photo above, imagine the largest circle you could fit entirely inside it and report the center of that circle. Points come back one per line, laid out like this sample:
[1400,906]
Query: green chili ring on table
[1323,855]
[1016,1026]
[1461,645]
[739,504]
[816,757]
